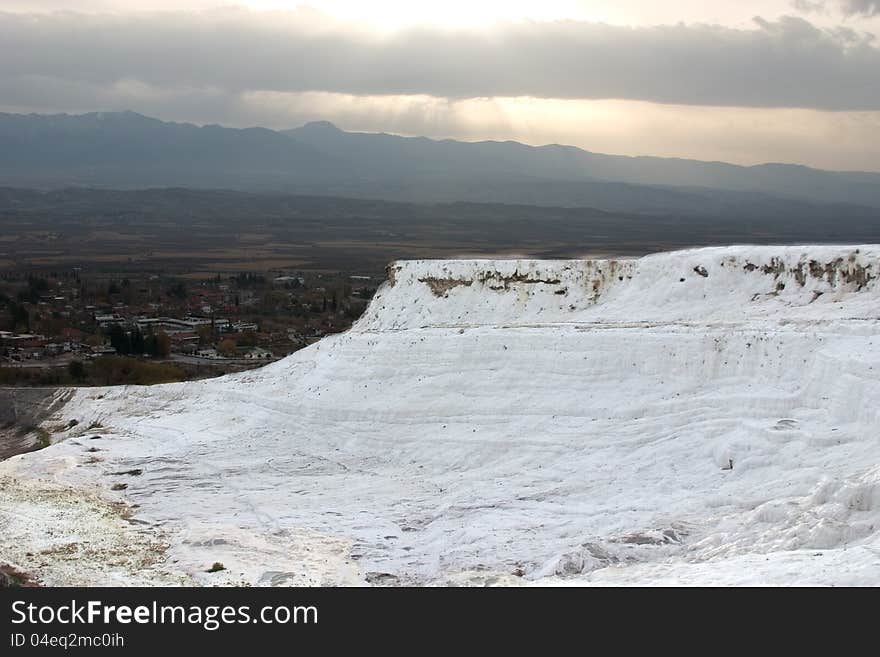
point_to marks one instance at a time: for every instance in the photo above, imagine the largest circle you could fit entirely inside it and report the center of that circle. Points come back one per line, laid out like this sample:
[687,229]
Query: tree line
[133,341]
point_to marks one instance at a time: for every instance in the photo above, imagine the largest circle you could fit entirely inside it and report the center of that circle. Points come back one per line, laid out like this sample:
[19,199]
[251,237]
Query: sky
[742,81]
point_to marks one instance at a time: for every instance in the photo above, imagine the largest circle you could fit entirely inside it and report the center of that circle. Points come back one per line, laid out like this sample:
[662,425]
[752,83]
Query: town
[74,327]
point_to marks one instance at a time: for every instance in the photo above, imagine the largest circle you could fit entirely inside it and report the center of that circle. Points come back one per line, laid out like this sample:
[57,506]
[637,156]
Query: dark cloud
[860,7]
[865,8]
[784,63]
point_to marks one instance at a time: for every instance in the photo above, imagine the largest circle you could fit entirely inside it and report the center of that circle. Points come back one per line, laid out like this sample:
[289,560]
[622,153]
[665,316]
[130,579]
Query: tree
[77,370]
[136,339]
[163,344]
[178,290]
[20,318]
[227,348]
[157,344]
[206,335]
[36,287]
[119,339]
[248,339]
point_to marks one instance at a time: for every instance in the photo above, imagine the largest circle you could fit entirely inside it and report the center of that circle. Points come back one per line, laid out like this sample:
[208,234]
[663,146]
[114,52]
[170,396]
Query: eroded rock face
[440,286]
[725,284]
[22,412]
[847,269]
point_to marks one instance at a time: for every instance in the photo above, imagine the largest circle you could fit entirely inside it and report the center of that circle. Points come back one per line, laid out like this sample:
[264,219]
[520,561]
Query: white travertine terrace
[700,417]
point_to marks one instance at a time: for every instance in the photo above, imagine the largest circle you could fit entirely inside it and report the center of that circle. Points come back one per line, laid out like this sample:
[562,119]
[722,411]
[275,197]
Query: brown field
[198,234]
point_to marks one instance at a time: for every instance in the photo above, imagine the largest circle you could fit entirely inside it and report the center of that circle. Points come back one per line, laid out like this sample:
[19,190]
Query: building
[245,327]
[105,320]
[173,325]
[258,353]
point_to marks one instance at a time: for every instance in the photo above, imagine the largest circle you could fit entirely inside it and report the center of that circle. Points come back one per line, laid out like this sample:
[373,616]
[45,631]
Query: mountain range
[129,150]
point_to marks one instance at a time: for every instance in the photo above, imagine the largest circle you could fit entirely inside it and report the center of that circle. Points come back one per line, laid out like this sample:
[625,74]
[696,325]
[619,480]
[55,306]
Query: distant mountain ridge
[413,156]
[126,149]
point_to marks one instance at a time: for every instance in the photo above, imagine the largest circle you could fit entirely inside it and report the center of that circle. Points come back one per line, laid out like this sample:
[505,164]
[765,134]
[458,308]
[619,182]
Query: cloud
[226,54]
[860,7]
[832,140]
[809,6]
[866,8]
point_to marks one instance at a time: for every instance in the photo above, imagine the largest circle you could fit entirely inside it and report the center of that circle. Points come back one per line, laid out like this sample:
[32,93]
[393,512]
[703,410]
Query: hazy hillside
[127,149]
[417,157]
[130,150]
